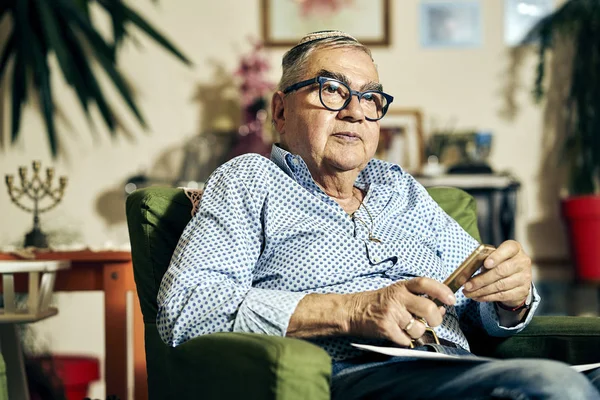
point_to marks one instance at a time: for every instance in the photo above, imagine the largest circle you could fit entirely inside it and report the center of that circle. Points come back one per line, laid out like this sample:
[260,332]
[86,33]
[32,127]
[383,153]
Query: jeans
[409,378]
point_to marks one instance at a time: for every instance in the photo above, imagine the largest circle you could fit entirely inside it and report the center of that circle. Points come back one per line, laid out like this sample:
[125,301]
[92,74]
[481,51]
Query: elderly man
[325,243]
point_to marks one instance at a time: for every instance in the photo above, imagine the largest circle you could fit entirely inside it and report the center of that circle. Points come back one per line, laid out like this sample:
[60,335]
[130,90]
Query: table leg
[116,277]
[12,352]
[140,388]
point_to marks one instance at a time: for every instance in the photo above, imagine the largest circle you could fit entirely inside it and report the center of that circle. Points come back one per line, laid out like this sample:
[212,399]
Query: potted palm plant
[576,25]
[39,29]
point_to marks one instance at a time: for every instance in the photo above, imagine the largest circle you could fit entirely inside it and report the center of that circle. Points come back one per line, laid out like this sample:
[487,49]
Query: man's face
[331,141]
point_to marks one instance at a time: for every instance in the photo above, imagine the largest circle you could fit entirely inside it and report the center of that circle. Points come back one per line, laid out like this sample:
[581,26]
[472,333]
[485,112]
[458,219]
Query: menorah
[36,190]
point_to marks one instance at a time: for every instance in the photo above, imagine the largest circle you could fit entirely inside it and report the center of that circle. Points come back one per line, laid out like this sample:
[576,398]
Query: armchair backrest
[156,218]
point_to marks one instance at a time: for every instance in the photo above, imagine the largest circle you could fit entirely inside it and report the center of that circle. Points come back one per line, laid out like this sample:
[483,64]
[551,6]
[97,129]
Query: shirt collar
[376,172]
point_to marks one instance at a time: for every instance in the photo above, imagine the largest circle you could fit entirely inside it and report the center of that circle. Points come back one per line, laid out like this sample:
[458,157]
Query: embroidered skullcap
[324,35]
[320,35]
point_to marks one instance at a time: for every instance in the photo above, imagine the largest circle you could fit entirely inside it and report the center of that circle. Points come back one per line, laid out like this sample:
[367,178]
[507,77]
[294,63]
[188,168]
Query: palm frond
[7,51]
[141,23]
[42,81]
[64,28]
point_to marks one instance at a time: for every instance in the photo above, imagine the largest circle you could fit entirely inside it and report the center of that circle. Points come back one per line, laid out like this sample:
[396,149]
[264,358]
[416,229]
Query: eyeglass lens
[336,96]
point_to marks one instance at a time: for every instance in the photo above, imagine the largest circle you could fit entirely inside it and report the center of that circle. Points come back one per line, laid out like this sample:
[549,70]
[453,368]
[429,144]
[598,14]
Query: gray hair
[295,60]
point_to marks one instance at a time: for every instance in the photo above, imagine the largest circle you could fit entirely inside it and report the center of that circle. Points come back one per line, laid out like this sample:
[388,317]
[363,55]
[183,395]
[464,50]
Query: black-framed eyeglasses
[336,95]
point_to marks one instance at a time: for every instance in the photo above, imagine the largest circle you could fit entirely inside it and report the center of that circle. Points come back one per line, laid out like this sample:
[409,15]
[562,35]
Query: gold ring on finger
[410,324]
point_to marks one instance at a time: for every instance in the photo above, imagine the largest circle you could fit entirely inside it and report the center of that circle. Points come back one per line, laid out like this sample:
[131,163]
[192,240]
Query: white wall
[465,84]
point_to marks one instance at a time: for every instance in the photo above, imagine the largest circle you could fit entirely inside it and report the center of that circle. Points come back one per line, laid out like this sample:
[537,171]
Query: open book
[403,352]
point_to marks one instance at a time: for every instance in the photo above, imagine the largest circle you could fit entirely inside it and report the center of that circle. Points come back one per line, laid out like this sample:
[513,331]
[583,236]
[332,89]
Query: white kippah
[324,35]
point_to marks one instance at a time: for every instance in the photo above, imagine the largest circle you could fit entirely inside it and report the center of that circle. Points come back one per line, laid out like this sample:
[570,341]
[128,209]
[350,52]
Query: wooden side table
[36,309]
[112,273]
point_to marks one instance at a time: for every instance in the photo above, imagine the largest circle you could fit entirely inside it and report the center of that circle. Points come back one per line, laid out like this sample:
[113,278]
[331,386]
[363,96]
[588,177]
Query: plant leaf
[6,53]
[51,30]
[54,32]
[141,23]
[120,84]
[92,88]
[73,15]
[42,79]
[83,5]
[118,20]
[19,84]
[18,95]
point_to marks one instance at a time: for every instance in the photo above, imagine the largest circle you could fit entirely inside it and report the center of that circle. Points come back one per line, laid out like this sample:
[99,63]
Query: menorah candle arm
[13,191]
[16,194]
[56,194]
[22,174]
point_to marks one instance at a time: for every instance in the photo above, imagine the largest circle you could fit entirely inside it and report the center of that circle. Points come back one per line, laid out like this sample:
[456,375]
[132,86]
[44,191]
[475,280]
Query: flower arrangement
[254,90]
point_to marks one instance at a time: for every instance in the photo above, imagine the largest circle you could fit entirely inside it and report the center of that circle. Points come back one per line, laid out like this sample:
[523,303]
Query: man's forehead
[336,60]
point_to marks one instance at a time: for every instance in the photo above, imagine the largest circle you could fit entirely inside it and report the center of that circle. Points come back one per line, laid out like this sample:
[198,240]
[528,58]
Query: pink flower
[252,69]
[320,7]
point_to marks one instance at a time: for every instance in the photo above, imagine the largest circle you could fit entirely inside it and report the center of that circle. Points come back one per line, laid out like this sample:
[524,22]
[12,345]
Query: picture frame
[450,24]
[521,15]
[401,139]
[283,23]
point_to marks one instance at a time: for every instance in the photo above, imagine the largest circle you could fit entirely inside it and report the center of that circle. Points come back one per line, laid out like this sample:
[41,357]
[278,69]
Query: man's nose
[353,110]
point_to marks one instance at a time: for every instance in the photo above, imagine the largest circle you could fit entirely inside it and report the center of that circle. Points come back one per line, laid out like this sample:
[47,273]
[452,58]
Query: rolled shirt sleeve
[266,311]
[491,321]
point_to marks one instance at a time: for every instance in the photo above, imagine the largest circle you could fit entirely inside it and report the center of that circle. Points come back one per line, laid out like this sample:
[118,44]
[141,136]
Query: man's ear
[277,111]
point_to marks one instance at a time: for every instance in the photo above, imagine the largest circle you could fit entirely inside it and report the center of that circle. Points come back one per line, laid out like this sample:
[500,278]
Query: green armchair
[255,366]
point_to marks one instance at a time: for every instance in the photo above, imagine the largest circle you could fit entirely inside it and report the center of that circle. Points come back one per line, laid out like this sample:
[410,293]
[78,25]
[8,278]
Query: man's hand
[506,277]
[392,312]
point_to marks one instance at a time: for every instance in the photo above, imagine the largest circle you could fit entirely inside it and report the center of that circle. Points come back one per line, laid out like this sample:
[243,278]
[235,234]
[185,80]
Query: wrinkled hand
[392,312]
[506,277]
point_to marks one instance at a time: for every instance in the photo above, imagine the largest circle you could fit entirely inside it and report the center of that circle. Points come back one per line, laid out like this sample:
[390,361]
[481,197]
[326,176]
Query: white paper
[585,367]
[404,352]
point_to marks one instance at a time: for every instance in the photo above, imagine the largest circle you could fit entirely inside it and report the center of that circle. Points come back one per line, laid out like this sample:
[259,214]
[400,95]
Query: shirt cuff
[266,311]
[491,320]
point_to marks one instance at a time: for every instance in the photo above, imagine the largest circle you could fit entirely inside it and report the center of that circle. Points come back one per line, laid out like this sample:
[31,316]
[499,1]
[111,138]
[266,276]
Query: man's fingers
[515,295]
[505,251]
[503,270]
[414,328]
[425,308]
[398,335]
[501,285]
[433,289]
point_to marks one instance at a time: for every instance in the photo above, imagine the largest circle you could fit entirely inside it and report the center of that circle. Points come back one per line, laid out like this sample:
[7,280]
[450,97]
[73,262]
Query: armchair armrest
[574,340]
[248,366]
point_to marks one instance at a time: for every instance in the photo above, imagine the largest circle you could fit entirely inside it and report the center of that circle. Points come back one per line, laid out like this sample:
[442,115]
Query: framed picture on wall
[401,138]
[284,22]
[450,23]
[521,15]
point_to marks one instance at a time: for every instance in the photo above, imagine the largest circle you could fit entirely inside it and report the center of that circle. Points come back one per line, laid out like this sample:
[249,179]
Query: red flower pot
[75,372]
[582,215]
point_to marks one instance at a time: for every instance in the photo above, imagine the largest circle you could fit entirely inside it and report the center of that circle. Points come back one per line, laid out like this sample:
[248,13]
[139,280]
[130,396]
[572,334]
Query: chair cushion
[248,366]
[156,218]
[459,205]
[574,340]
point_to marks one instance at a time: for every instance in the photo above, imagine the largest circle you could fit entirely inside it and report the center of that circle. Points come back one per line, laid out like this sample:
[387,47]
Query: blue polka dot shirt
[266,235]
